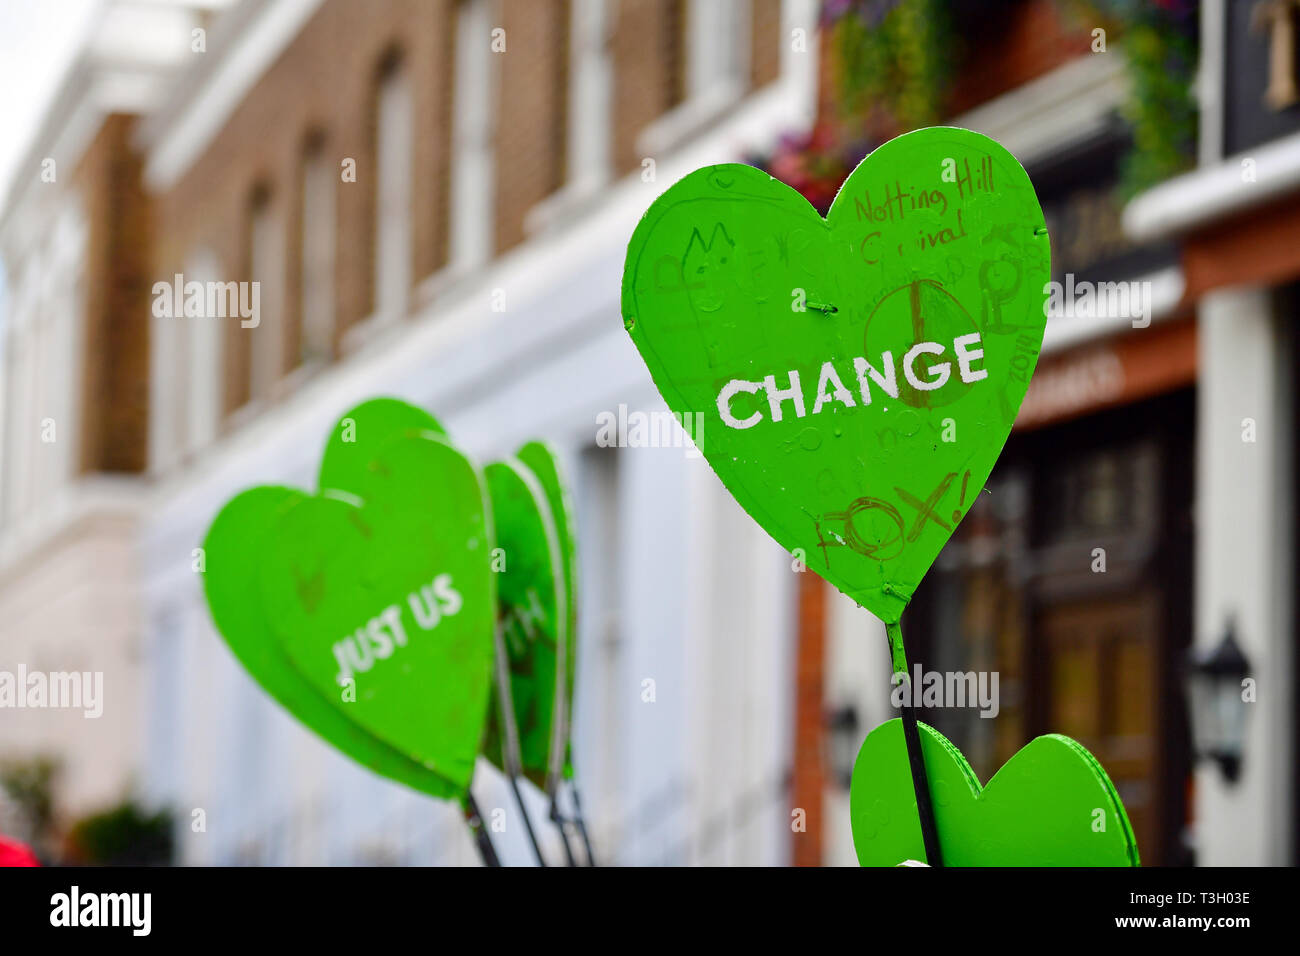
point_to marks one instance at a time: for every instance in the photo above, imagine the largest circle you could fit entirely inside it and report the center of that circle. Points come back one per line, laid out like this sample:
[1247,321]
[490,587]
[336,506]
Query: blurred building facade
[1145,500]
[1234,220]
[434,197]
[75,243]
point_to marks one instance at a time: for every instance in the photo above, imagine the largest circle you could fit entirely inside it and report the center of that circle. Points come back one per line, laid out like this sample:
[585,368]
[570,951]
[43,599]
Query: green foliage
[895,55]
[1160,44]
[29,784]
[123,836]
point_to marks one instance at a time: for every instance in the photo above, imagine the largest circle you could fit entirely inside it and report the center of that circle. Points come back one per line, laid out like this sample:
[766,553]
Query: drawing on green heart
[233,548]
[386,606]
[532,621]
[1049,805]
[857,375]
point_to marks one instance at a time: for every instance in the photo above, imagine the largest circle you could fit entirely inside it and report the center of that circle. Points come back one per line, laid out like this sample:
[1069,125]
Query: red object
[13,853]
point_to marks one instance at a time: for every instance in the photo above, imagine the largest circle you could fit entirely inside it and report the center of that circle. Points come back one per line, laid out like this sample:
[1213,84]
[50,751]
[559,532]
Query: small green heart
[396,594]
[531,596]
[233,550]
[544,462]
[734,287]
[1050,805]
[362,432]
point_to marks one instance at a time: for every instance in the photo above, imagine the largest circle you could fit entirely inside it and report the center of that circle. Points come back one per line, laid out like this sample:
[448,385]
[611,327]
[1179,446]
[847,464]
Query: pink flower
[13,853]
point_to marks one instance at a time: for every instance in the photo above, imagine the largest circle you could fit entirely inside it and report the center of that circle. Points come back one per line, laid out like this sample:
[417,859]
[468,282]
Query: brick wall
[532,111]
[644,70]
[324,85]
[1007,51]
[115,397]
[323,88]
[766,39]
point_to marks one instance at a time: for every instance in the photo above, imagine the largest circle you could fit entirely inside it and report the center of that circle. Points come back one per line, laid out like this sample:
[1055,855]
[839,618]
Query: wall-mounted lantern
[1218,706]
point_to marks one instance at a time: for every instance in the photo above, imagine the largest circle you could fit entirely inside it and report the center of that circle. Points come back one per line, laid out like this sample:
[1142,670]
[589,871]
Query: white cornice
[1202,196]
[1065,106]
[1164,294]
[241,48]
[131,51]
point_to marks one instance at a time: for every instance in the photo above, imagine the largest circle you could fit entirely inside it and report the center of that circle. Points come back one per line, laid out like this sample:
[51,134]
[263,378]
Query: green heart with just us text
[385,602]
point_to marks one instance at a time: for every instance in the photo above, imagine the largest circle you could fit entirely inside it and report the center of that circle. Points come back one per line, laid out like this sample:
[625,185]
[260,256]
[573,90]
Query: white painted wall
[1244,496]
[679,587]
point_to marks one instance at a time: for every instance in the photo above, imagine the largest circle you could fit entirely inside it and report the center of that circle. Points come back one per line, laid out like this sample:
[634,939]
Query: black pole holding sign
[582,826]
[562,825]
[510,738]
[921,785]
[528,823]
[481,839]
[916,762]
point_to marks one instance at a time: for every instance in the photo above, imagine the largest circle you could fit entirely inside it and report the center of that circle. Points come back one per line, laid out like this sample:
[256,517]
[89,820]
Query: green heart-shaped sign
[1050,805]
[386,607]
[531,596]
[856,377]
[522,531]
[362,432]
[233,550]
[544,463]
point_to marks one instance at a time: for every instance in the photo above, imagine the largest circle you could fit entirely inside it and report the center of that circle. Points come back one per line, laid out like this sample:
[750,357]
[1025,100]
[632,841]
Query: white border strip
[1198,198]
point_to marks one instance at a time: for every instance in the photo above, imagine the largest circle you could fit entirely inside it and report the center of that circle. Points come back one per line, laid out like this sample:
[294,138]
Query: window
[705,47]
[316,277]
[561,14]
[584,92]
[8,399]
[588,146]
[40,366]
[61,352]
[473,126]
[672,45]
[204,361]
[18,412]
[394,147]
[168,371]
[71,319]
[22,431]
[266,266]
[717,48]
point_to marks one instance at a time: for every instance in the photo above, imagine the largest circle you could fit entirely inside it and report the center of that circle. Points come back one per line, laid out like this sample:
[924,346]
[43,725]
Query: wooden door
[1103,689]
